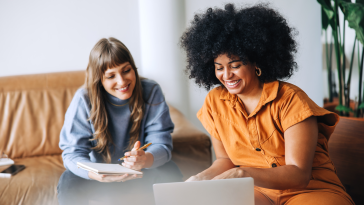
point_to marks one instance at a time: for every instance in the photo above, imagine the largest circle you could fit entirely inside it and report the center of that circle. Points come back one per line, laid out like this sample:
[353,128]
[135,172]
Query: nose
[227,74]
[120,79]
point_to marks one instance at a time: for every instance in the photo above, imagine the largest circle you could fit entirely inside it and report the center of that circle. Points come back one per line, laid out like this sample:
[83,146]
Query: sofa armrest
[191,147]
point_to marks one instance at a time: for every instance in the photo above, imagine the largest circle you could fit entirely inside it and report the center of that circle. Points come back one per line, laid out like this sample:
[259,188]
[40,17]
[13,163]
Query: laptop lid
[239,191]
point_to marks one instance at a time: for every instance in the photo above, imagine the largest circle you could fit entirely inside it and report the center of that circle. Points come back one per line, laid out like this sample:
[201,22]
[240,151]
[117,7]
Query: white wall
[162,23]
[51,36]
[41,36]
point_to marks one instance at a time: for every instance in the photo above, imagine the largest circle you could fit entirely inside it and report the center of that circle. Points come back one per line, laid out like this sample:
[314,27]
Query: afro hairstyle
[256,34]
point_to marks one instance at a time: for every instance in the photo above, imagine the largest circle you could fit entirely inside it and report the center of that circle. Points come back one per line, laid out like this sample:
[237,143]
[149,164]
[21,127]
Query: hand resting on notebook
[113,178]
[136,159]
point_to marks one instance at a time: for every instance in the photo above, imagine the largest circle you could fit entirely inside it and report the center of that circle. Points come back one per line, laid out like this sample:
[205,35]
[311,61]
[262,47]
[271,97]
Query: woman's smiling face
[234,75]
[120,81]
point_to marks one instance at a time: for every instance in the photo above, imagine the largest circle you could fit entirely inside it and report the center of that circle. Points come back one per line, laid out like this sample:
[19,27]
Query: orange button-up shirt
[257,139]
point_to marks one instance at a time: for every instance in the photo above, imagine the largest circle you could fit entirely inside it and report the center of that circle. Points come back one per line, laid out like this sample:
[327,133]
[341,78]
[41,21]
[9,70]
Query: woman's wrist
[149,161]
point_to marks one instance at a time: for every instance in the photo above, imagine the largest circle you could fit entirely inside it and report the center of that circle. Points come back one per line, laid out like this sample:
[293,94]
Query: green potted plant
[353,15]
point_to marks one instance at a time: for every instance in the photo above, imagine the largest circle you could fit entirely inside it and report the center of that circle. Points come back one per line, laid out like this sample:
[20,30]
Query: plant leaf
[343,108]
[324,19]
[326,4]
[343,1]
[327,14]
[359,1]
[361,106]
[354,14]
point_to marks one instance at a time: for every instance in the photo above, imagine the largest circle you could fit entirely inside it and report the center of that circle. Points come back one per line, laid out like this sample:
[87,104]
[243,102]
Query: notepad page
[103,168]
[5,161]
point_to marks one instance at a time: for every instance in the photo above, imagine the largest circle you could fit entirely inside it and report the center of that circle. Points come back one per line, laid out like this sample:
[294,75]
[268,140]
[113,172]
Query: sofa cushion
[36,184]
[32,110]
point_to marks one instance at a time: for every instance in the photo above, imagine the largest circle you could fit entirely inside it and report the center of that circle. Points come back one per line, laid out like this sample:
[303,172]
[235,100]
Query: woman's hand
[138,159]
[232,173]
[221,165]
[194,178]
[229,174]
[113,178]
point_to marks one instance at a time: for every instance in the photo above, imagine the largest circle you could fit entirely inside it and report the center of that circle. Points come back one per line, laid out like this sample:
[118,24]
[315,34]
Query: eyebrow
[229,62]
[107,72]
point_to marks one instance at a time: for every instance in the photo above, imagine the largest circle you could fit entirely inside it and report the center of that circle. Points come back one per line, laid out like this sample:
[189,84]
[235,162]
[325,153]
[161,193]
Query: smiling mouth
[123,89]
[232,83]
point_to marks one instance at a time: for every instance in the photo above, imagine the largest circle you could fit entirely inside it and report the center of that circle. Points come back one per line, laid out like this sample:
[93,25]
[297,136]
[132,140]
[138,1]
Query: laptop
[239,191]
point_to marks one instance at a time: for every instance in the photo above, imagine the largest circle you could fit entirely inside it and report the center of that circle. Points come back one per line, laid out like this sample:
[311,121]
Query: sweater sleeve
[158,129]
[75,135]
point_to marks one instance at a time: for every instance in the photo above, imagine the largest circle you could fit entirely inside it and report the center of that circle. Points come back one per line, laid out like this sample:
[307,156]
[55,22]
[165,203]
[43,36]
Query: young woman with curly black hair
[261,127]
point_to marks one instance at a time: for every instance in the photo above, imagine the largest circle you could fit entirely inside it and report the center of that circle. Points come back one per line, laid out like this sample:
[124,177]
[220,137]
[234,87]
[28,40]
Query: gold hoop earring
[258,72]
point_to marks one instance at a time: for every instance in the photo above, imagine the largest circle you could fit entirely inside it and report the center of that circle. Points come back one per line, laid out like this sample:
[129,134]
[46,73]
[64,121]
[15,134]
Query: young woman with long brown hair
[116,110]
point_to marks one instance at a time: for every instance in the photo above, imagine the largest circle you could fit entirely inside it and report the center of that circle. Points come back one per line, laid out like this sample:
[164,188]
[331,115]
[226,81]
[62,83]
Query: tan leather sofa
[32,109]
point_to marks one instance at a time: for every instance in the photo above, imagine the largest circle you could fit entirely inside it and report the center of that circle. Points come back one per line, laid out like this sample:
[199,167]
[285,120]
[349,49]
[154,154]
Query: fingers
[125,178]
[121,178]
[109,178]
[94,176]
[128,164]
[136,145]
[224,175]
[192,179]
[135,158]
[217,177]
[114,178]
[189,179]
[135,153]
[135,162]
[131,177]
[132,165]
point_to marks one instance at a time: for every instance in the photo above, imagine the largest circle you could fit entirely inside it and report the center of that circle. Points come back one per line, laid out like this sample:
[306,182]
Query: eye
[110,77]
[238,66]
[127,70]
[219,68]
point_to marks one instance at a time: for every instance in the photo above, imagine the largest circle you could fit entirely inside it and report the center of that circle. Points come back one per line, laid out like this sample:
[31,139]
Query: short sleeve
[297,106]
[206,118]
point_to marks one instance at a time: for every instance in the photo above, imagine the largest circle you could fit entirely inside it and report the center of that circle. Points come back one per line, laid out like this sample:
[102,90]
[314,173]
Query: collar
[114,100]
[270,92]
[226,96]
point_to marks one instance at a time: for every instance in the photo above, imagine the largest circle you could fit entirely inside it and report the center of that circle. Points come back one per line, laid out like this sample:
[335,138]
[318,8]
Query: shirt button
[257,149]
[274,165]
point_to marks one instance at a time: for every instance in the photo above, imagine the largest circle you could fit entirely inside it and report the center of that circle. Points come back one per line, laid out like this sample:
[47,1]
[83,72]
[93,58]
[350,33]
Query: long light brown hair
[110,53]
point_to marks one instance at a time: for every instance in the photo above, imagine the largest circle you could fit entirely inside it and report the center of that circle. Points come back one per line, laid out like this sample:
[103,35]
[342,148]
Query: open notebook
[107,169]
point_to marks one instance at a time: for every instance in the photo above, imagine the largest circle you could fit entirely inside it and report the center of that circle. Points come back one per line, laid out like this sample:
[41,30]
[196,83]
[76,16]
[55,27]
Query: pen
[141,148]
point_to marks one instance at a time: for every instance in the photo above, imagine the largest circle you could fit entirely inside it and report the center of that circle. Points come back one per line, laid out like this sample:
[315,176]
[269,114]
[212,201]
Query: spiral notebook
[106,169]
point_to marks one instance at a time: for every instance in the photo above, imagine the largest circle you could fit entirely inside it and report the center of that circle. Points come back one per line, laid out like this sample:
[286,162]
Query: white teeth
[233,83]
[124,88]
